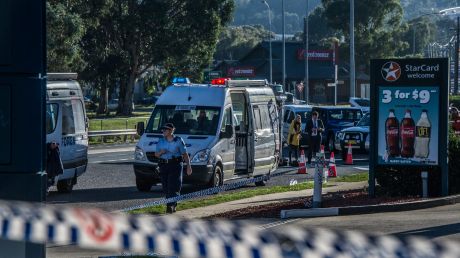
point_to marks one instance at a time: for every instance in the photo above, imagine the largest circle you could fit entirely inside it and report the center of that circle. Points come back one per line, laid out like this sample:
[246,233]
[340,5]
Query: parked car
[289,113]
[358,136]
[336,118]
[151,100]
[290,99]
[363,103]
[280,95]
[113,105]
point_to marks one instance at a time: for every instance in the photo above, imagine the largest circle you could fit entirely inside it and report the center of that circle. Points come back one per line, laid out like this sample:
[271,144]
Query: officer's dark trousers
[315,142]
[171,180]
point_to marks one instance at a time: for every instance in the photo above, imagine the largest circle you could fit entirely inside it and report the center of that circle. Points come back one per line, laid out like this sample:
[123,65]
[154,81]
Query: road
[109,182]
[438,223]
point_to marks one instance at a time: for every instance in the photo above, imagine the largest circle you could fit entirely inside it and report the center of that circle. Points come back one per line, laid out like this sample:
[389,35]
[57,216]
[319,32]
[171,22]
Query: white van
[239,137]
[67,125]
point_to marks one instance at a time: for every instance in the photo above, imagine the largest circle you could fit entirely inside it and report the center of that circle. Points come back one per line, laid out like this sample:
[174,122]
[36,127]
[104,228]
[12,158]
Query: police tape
[208,191]
[170,235]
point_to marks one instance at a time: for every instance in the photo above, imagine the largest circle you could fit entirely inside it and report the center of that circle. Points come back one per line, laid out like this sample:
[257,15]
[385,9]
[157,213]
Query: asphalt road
[439,223]
[109,182]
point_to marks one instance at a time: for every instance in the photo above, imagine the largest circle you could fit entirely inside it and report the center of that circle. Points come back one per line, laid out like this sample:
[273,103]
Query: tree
[179,35]
[378,26]
[65,28]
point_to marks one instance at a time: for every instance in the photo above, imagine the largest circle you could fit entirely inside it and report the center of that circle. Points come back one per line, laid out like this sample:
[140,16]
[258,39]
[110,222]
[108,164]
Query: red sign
[241,72]
[318,55]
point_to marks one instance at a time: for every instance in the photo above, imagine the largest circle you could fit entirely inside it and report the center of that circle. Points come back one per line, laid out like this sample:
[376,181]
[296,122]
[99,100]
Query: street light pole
[454,11]
[284,46]
[270,39]
[307,85]
[352,48]
[456,57]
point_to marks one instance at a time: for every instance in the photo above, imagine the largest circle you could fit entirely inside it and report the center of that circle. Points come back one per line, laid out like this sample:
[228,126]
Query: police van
[67,125]
[230,128]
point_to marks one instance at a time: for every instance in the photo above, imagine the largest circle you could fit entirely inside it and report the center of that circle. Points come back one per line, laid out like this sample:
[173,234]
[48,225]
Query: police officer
[172,153]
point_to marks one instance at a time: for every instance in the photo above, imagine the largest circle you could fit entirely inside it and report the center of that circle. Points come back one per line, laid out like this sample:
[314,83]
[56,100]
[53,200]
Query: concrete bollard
[318,183]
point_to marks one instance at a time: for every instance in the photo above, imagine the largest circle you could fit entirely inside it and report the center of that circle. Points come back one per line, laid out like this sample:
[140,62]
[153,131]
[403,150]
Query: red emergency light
[219,81]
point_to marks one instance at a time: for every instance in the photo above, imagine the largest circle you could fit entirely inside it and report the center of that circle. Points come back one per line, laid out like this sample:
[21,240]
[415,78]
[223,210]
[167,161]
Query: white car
[113,105]
[362,103]
[289,113]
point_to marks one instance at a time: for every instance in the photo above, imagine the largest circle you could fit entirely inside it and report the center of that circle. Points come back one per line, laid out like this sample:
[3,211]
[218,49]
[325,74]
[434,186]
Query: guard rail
[104,133]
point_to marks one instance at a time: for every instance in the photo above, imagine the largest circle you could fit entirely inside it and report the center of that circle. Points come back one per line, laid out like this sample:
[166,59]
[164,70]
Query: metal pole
[413,39]
[424,184]
[284,46]
[307,75]
[352,48]
[456,57]
[270,42]
[269,38]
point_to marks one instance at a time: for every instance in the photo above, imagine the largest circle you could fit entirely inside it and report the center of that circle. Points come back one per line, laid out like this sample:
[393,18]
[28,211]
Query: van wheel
[65,186]
[261,183]
[143,185]
[216,179]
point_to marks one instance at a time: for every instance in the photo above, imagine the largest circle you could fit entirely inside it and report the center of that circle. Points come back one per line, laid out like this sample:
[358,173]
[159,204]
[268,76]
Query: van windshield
[191,120]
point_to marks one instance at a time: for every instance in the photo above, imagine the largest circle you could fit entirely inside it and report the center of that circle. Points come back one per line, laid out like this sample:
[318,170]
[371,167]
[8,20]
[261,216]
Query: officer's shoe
[170,209]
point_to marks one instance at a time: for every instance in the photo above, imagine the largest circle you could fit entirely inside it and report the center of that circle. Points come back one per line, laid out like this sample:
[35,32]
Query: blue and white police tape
[208,191]
[170,235]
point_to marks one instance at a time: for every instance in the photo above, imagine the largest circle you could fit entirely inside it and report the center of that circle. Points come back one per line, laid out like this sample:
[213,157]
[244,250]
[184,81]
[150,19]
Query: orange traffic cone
[302,166]
[349,159]
[322,149]
[332,168]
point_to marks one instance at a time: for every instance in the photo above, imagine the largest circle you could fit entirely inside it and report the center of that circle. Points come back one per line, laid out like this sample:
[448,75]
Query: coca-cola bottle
[423,135]
[407,135]
[392,134]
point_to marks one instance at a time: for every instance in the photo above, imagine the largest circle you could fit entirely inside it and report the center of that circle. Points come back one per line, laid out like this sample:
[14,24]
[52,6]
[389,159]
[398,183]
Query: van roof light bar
[247,83]
[62,76]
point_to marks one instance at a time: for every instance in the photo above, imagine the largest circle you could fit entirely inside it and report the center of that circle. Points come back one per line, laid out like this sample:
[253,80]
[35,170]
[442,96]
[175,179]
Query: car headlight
[347,137]
[139,154]
[201,156]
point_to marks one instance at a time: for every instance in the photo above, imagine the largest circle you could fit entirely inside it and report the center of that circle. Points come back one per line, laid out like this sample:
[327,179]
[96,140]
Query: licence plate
[351,142]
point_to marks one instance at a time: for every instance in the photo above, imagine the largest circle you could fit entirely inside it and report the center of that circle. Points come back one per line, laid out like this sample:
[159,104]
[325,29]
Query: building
[322,61]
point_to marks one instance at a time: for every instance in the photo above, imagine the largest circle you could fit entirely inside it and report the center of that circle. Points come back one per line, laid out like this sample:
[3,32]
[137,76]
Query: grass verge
[359,177]
[117,123]
[228,197]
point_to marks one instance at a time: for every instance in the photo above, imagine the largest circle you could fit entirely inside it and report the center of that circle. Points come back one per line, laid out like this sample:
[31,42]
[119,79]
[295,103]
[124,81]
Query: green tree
[65,28]
[378,26]
[135,35]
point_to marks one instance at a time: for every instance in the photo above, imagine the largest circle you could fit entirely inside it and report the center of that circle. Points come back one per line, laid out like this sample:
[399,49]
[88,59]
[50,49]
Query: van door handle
[256,138]
[232,141]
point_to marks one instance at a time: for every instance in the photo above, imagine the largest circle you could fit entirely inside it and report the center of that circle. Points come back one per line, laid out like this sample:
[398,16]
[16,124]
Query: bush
[454,100]
[403,181]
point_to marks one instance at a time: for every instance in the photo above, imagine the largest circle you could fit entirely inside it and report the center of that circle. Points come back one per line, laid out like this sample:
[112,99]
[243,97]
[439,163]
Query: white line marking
[362,168]
[277,223]
[113,160]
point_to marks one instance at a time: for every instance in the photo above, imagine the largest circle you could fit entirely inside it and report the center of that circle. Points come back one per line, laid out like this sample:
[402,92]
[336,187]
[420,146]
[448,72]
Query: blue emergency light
[180,80]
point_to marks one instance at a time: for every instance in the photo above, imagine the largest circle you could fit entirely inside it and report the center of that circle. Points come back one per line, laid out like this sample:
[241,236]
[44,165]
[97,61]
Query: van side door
[263,139]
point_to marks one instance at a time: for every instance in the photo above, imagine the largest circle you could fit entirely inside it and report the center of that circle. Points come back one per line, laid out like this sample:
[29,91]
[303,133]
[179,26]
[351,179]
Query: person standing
[314,129]
[173,155]
[294,138]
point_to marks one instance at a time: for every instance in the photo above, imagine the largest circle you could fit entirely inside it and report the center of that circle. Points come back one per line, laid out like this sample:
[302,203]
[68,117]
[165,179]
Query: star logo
[391,71]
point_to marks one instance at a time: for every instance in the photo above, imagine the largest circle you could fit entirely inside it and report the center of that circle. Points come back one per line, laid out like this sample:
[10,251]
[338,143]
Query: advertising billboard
[409,115]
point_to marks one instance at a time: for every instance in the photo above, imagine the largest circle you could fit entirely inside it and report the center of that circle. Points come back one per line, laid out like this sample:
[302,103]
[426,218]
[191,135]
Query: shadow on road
[432,232]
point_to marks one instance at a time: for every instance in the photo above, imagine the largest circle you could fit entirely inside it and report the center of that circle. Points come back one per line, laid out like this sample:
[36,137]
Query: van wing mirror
[140,128]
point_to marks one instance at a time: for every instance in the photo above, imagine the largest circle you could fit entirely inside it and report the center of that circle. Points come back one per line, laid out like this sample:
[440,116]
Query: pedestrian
[173,155]
[294,138]
[314,129]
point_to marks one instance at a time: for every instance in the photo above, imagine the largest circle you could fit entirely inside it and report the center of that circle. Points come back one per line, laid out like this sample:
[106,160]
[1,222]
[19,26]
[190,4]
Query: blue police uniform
[171,166]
